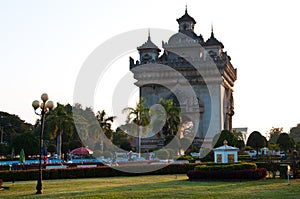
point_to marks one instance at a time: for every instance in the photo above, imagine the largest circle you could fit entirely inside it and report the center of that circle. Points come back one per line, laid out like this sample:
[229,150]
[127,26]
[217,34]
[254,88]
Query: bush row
[105,171]
[245,157]
[234,166]
[275,166]
[248,174]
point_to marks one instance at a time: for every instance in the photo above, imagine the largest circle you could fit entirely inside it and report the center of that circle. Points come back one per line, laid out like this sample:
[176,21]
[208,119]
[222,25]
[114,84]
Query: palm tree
[105,123]
[59,122]
[138,120]
[173,119]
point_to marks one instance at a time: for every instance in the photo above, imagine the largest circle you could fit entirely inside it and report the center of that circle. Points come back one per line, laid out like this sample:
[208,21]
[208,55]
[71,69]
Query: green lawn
[166,186]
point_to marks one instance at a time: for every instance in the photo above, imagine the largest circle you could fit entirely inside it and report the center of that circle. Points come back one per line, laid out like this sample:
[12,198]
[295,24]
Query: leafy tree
[274,134]
[26,141]
[120,136]
[240,144]
[4,149]
[87,126]
[295,133]
[11,126]
[125,144]
[73,144]
[225,135]
[138,120]
[59,122]
[285,142]
[256,141]
[51,148]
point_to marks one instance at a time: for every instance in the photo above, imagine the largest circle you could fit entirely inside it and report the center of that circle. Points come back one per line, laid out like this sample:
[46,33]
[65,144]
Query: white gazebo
[226,154]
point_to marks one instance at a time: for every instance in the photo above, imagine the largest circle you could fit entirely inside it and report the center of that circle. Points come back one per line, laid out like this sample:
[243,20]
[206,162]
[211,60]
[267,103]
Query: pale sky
[43,45]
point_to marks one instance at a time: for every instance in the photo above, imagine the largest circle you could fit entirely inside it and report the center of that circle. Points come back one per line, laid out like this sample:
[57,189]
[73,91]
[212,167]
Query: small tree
[225,135]
[285,142]
[256,141]
[240,144]
[162,154]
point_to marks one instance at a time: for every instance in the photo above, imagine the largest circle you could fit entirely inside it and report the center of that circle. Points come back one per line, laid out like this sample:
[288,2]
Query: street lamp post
[44,107]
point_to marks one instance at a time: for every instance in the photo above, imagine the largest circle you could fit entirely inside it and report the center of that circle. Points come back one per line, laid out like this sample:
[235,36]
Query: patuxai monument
[195,73]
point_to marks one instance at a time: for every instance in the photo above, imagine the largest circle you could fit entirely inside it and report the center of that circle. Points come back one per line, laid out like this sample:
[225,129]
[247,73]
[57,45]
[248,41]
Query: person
[148,156]
[114,159]
[130,156]
[45,159]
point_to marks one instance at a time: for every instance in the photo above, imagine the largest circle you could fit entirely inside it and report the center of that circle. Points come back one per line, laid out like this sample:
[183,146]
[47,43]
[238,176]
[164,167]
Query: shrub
[103,171]
[244,157]
[162,154]
[208,158]
[184,157]
[270,166]
[187,157]
[249,174]
[234,166]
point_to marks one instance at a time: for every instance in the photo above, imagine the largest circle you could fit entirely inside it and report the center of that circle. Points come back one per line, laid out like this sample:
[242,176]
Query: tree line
[68,127]
[62,134]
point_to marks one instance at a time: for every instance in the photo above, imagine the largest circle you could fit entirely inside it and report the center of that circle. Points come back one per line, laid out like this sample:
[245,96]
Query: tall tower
[149,52]
[194,64]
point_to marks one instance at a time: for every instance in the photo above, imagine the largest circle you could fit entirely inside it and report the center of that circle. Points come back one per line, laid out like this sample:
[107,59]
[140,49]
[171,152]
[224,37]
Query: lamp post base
[39,186]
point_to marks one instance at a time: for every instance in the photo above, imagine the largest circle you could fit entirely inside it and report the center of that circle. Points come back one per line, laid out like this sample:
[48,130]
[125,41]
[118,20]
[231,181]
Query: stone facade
[196,74]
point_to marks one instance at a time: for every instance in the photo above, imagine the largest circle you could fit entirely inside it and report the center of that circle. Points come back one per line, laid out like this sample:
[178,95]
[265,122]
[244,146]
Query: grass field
[166,186]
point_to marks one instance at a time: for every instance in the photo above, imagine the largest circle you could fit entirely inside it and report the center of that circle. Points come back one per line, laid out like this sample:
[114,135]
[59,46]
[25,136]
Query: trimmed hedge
[234,166]
[270,166]
[244,157]
[105,171]
[247,174]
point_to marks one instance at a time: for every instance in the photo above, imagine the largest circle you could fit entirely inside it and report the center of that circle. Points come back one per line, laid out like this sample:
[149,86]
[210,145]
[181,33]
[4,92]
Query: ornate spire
[212,31]
[212,41]
[148,44]
[149,36]
[186,17]
[186,8]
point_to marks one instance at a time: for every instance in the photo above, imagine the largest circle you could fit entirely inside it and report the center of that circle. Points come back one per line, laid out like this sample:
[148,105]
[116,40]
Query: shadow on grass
[160,187]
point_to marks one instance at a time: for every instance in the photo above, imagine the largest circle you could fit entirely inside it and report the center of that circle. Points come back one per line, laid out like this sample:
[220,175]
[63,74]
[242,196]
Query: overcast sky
[43,45]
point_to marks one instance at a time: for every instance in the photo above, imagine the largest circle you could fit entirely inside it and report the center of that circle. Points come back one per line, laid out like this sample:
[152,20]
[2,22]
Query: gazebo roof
[226,148]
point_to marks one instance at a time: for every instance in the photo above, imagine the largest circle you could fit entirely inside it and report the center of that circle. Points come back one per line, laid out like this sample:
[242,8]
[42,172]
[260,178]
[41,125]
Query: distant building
[212,81]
